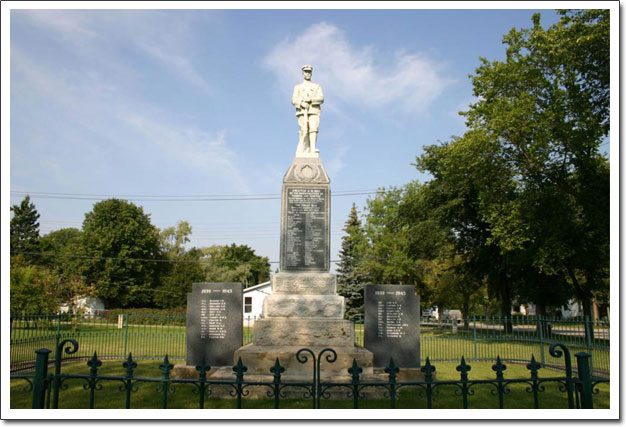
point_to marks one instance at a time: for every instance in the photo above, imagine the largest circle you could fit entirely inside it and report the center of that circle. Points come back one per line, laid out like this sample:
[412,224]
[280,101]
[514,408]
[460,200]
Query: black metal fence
[47,388]
[150,335]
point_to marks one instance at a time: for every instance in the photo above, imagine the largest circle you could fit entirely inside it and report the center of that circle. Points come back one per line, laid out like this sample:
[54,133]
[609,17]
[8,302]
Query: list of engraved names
[305,233]
[390,316]
[213,316]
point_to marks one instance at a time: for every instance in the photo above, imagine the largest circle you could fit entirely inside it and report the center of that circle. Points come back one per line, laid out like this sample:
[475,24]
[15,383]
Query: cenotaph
[304,310]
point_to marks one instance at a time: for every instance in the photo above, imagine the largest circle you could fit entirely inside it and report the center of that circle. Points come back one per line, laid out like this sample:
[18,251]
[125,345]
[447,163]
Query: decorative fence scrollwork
[579,389]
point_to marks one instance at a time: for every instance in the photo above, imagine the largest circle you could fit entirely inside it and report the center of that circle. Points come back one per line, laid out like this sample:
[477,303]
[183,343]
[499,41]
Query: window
[247,305]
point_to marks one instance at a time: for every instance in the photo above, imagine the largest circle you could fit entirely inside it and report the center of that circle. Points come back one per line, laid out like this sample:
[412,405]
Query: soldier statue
[307,98]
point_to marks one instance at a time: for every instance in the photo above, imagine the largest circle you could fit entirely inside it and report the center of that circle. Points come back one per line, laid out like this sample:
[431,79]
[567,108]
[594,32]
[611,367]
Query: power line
[173,261]
[173,198]
[58,255]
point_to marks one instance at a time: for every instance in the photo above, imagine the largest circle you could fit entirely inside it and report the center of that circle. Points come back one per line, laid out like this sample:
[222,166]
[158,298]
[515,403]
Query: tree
[350,280]
[58,249]
[183,269]
[176,282]
[466,178]
[120,253]
[25,230]
[547,107]
[173,238]
[33,289]
[235,263]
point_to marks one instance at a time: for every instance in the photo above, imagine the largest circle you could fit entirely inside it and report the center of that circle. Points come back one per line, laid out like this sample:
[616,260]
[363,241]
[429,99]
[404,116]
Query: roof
[257,287]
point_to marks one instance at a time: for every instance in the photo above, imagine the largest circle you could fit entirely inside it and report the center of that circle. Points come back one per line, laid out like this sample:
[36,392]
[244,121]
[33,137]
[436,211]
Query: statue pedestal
[304,310]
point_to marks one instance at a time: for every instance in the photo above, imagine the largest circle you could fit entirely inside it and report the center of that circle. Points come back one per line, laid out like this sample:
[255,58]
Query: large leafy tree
[350,278]
[547,108]
[34,289]
[466,175]
[59,247]
[386,258]
[183,269]
[120,254]
[235,263]
[25,230]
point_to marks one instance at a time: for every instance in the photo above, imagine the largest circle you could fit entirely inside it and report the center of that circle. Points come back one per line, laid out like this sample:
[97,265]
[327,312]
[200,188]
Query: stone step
[314,306]
[259,359]
[304,283]
[303,332]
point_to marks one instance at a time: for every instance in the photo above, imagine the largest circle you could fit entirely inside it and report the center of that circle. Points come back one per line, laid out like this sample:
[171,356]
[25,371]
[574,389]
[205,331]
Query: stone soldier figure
[307,98]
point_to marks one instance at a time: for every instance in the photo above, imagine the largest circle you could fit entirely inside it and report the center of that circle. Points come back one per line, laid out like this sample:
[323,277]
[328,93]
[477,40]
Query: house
[83,304]
[253,298]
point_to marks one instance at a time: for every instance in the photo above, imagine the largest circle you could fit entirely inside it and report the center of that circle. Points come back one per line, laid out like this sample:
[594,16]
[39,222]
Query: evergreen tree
[350,280]
[25,230]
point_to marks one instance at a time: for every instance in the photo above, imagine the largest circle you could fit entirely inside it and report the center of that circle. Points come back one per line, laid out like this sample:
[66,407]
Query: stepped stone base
[304,283]
[260,392]
[320,306]
[323,333]
[259,359]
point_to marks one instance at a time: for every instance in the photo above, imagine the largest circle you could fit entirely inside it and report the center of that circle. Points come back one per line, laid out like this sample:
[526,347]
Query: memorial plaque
[392,325]
[214,323]
[305,230]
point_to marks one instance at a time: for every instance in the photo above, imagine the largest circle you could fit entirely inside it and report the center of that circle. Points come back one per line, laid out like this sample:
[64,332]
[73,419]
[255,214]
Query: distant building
[83,305]
[253,298]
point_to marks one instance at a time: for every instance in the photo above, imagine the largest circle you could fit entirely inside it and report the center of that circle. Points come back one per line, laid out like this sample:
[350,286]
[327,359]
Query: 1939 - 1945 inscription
[305,229]
[392,324]
[214,323]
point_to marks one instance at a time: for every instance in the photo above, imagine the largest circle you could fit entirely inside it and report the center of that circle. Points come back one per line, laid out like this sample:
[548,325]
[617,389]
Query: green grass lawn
[145,341]
[147,397]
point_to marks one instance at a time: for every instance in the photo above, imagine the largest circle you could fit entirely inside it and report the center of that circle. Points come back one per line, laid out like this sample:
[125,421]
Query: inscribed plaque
[392,325]
[214,323]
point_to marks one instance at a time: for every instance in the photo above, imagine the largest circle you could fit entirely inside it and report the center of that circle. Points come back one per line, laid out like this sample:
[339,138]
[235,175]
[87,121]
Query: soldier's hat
[307,67]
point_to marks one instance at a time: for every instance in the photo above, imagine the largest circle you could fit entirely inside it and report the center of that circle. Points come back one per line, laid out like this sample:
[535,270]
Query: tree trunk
[505,307]
[587,311]
[585,298]
[466,303]
[542,322]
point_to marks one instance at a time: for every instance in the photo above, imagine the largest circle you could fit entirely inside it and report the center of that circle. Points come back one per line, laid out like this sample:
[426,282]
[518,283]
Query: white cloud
[93,33]
[191,148]
[411,82]
[334,166]
[100,123]
[71,25]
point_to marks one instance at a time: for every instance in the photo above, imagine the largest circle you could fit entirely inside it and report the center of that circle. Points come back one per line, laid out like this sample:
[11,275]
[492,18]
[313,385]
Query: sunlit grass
[147,396]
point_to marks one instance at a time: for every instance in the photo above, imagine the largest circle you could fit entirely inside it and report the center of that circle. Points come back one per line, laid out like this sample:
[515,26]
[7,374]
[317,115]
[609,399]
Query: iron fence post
[58,335]
[125,336]
[40,380]
[584,378]
[392,370]
[475,342]
[588,333]
[355,371]
[165,368]
[277,370]
[542,354]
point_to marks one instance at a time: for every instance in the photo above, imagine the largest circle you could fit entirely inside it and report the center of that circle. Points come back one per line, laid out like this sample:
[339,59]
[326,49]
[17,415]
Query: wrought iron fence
[46,388]
[150,335]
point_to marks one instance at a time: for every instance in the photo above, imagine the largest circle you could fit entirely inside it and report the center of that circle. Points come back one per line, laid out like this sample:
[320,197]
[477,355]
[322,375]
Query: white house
[83,304]
[253,302]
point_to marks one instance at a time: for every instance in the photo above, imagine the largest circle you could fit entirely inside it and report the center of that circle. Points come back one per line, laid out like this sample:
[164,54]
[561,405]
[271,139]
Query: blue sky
[197,103]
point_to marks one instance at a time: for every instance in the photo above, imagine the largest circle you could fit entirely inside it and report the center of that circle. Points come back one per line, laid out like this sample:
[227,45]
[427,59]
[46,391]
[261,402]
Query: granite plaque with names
[305,228]
[214,323]
[392,324]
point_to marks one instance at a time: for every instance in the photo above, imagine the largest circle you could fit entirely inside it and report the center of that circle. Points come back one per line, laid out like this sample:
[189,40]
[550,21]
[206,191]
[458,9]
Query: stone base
[304,283]
[295,392]
[316,306]
[259,359]
[320,332]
